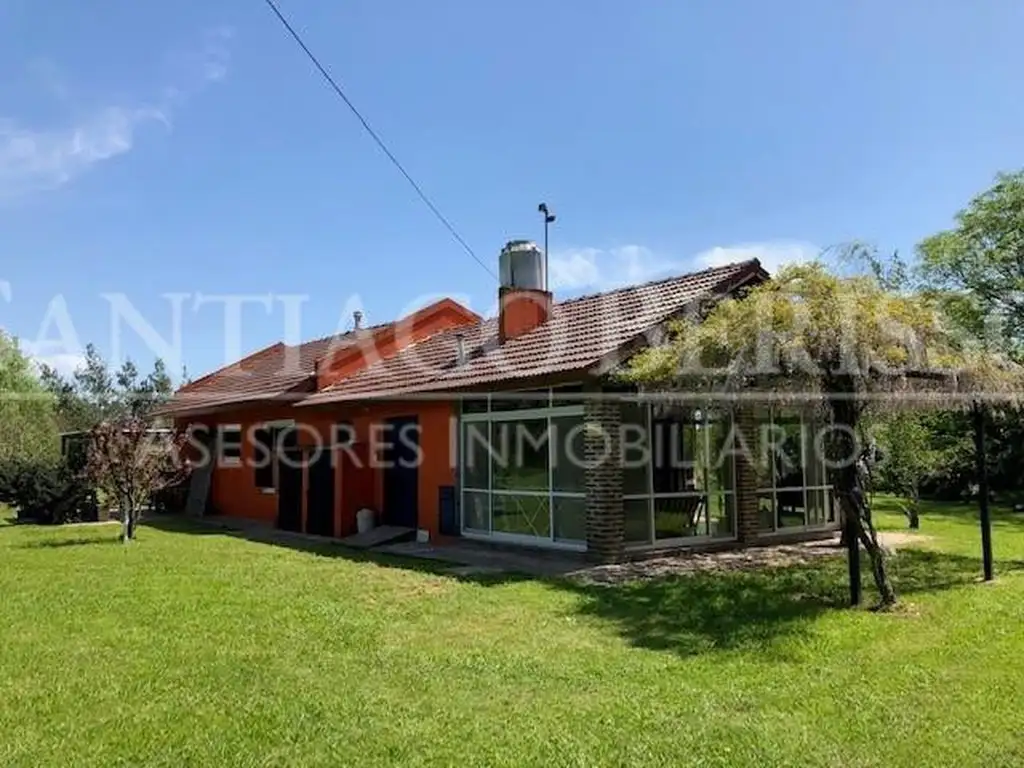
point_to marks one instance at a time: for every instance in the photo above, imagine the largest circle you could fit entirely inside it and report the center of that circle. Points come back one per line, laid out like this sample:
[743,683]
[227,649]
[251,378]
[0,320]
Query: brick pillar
[602,446]
[745,431]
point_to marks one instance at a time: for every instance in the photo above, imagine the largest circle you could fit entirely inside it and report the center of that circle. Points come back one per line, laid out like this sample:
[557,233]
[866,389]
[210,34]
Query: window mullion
[490,471]
[551,477]
[650,476]
[803,468]
[771,467]
[707,472]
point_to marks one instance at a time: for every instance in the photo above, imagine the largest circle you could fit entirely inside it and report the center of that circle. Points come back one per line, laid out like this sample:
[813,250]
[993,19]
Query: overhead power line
[373,135]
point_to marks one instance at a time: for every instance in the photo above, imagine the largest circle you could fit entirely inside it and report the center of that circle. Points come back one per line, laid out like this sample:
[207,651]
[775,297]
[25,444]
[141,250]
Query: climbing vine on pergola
[844,345]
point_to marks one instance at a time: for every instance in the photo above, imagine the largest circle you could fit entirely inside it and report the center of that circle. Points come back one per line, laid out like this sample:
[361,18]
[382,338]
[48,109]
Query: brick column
[745,431]
[602,446]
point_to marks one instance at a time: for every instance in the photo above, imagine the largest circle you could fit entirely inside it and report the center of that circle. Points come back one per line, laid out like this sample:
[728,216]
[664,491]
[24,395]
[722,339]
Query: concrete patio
[471,558]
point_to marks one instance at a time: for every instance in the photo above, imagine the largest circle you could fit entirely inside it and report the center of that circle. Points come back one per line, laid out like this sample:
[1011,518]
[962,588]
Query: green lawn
[195,648]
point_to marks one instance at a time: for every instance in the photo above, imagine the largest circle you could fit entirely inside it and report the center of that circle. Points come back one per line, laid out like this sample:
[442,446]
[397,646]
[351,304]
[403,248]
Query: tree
[94,394]
[843,344]
[979,264]
[131,463]
[908,458]
[28,426]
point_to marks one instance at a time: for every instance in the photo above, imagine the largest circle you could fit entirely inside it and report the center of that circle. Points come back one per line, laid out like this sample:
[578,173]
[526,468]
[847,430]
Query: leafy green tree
[976,271]
[94,394]
[908,459]
[979,264]
[28,426]
[843,343]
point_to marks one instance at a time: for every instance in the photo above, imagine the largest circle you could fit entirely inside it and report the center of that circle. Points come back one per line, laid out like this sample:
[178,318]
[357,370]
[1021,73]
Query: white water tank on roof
[521,265]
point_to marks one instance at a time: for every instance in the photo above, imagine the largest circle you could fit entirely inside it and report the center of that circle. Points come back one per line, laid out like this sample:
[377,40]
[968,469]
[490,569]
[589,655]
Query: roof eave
[753,274]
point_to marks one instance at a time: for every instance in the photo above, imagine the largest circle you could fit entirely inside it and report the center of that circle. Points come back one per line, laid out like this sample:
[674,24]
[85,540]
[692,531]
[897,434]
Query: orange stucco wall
[389,341]
[233,491]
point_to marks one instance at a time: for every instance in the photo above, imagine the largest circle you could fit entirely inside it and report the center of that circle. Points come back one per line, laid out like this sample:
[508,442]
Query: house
[505,429]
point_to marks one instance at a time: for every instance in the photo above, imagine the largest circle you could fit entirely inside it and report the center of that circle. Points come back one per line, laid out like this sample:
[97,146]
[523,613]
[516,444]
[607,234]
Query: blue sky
[189,148]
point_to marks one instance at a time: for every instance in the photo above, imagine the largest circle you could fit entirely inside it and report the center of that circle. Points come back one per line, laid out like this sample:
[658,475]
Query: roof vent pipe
[460,350]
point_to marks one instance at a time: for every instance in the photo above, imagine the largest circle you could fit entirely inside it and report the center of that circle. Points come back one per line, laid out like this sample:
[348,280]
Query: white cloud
[35,158]
[603,269]
[772,255]
[32,160]
[53,354]
[64,363]
[203,64]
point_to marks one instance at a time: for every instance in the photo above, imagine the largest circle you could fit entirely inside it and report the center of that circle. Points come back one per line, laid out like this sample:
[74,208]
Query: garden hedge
[47,491]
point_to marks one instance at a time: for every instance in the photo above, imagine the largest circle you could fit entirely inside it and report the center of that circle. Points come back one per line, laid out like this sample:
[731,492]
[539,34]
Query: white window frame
[773,492]
[650,496]
[232,461]
[490,417]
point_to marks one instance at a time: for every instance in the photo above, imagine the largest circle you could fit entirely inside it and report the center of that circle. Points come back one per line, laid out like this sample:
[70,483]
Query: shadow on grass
[320,546]
[63,543]
[696,613]
[750,610]
[686,614]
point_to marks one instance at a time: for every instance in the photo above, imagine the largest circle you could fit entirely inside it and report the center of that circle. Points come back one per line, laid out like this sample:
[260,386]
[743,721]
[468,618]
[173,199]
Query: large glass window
[797,493]
[521,515]
[476,511]
[521,455]
[677,474]
[476,452]
[522,469]
[636,450]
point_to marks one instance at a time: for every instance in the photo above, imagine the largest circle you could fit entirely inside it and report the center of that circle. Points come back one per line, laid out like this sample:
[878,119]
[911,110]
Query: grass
[194,647]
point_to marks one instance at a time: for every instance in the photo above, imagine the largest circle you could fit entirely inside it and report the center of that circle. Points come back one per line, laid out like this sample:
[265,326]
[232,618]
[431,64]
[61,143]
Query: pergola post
[986,518]
[853,558]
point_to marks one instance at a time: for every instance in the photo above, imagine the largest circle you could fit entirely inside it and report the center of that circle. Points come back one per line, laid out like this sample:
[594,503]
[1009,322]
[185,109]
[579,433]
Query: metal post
[546,223]
[986,518]
[548,219]
[853,558]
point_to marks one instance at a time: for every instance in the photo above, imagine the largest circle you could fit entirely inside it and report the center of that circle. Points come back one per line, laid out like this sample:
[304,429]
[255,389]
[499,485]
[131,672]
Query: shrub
[47,491]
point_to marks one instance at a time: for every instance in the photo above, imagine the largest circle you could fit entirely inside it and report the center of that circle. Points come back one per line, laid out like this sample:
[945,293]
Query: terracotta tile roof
[277,372]
[580,334]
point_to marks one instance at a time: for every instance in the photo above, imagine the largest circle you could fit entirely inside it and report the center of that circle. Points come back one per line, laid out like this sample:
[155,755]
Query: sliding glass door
[521,469]
[677,474]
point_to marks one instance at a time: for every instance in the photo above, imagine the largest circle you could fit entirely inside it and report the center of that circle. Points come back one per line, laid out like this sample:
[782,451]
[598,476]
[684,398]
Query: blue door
[401,472]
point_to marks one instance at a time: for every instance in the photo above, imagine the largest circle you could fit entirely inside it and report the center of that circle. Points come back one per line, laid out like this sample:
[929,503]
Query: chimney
[357,320]
[524,302]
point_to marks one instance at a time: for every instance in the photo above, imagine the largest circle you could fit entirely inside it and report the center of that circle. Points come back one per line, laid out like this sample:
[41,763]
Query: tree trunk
[851,492]
[914,511]
[128,521]
[869,539]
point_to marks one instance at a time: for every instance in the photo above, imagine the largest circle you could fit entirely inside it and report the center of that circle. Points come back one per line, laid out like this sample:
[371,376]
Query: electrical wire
[373,135]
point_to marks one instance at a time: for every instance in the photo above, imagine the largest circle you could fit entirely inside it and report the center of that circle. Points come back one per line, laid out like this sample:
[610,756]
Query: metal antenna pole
[548,219]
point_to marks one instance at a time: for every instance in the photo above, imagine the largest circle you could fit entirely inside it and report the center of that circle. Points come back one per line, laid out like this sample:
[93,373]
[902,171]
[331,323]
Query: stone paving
[474,559]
